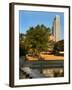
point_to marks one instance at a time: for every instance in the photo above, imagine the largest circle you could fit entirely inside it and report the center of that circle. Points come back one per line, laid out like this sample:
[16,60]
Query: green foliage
[59,46]
[36,39]
[22,50]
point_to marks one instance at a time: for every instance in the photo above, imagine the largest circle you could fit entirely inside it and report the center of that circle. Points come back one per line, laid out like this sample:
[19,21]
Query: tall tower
[56,28]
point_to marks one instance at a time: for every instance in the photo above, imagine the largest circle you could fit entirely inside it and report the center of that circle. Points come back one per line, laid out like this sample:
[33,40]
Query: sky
[29,19]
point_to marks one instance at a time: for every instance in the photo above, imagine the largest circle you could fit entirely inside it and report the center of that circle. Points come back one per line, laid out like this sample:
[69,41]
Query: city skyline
[29,19]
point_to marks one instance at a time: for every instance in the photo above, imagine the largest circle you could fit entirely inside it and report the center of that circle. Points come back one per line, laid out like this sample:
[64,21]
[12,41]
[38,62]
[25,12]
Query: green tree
[59,46]
[22,49]
[37,39]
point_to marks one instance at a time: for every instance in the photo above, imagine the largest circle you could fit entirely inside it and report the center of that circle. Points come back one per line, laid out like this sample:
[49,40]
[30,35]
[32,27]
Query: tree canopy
[36,39]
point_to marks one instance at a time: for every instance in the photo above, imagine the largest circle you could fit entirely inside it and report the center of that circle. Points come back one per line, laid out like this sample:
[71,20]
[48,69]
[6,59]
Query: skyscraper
[56,28]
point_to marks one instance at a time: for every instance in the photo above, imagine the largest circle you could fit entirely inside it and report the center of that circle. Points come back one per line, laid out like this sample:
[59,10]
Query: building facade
[56,29]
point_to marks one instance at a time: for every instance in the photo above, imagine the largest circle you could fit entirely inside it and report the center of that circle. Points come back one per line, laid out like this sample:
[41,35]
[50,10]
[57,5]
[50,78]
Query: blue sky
[28,19]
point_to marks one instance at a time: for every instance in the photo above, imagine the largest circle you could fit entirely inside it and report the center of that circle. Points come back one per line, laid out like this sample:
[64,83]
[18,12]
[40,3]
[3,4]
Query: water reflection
[41,73]
[41,69]
[53,72]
